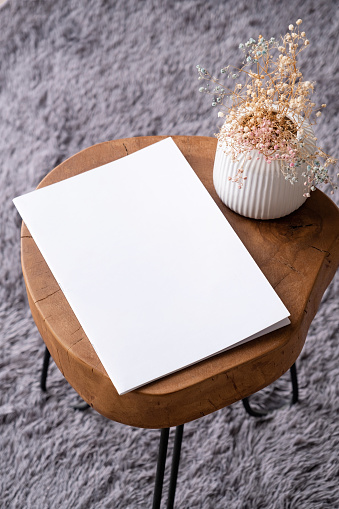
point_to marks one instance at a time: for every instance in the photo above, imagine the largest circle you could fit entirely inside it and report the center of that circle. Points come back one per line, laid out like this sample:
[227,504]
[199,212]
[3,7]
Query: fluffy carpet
[77,73]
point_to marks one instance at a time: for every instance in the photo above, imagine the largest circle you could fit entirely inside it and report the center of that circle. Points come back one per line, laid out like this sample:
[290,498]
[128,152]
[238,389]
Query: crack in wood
[76,330]
[234,385]
[78,341]
[212,404]
[296,226]
[292,268]
[125,148]
[321,250]
[278,283]
[44,298]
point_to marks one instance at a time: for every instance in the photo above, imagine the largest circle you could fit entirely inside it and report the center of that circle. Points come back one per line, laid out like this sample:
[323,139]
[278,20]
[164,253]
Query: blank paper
[156,276]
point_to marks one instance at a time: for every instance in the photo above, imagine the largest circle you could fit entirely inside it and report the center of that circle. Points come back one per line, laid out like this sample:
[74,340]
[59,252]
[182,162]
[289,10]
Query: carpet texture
[73,74]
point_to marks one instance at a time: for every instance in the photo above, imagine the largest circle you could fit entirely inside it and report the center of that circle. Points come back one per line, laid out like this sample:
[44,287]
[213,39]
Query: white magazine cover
[155,274]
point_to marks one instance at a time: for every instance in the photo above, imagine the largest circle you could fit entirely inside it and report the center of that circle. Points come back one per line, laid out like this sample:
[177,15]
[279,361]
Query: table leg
[175,465]
[295,387]
[295,395]
[44,370]
[159,478]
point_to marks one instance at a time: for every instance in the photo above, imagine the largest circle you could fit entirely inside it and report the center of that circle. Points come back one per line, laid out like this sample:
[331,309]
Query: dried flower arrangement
[270,110]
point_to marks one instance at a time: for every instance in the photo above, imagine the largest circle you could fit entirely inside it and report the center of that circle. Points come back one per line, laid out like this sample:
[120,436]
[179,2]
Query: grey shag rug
[75,73]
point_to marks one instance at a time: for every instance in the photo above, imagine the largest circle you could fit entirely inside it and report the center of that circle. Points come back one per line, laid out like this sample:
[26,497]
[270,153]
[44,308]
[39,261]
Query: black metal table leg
[175,465]
[250,411]
[295,396]
[44,370]
[295,387]
[159,478]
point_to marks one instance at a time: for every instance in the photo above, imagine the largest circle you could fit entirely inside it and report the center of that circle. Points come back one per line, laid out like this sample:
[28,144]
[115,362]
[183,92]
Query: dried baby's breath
[269,109]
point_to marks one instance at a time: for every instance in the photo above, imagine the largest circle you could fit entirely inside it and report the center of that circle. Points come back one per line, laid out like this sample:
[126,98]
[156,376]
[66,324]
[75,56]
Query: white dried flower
[257,119]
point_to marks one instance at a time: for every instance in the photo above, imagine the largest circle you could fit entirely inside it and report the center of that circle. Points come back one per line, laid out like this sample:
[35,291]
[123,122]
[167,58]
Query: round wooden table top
[298,254]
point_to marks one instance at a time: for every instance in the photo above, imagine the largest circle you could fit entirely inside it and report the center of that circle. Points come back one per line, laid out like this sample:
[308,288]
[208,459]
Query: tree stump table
[298,254]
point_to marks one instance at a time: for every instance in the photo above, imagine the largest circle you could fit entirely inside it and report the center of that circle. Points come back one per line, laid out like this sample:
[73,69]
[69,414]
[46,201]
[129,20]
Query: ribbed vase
[265,193]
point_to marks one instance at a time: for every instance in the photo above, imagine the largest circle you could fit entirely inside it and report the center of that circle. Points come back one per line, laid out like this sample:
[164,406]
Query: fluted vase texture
[265,194]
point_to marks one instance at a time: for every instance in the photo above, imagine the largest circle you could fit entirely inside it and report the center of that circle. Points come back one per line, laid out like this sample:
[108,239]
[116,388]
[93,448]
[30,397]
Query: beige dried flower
[269,109]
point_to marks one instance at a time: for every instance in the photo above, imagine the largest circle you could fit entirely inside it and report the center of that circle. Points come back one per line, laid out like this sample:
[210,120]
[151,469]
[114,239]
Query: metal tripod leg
[159,479]
[295,395]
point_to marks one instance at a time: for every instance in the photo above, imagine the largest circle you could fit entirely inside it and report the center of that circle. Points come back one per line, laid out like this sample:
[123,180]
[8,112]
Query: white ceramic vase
[265,193]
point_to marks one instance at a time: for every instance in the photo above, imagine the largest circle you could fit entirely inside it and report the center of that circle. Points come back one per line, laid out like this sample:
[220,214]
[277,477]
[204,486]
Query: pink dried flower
[268,111]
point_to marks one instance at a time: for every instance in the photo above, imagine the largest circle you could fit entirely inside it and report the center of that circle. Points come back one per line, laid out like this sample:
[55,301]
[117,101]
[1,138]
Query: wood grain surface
[298,254]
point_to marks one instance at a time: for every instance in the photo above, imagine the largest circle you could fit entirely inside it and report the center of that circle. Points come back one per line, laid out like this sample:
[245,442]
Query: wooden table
[298,254]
